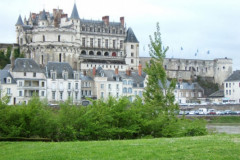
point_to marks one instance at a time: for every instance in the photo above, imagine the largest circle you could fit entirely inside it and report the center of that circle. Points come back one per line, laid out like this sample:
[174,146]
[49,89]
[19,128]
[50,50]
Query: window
[206,69]
[60,57]
[106,43]
[114,43]
[223,67]
[99,43]
[53,95]
[109,86]
[20,94]
[102,94]
[83,42]
[83,28]
[53,76]
[59,38]
[99,30]
[65,76]
[140,94]
[124,90]
[117,94]
[61,95]
[43,38]
[42,93]
[91,42]
[113,31]
[76,85]
[8,90]
[102,86]
[34,74]
[117,86]
[69,94]
[130,82]
[132,60]
[125,82]
[132,54]
[229,92]
[226,85]
[89,93]
[69,85]
[20,84]
[226,92]
[86,93]
[8,80]
[76,95]
[199,94]
[25,74]
[135,93]
[132,46]
[229,85]
[129,90]
[165,66]
[43,84]
[121,44]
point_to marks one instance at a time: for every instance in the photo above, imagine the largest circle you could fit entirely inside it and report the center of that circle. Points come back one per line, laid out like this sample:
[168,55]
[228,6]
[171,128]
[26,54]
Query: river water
[229,128]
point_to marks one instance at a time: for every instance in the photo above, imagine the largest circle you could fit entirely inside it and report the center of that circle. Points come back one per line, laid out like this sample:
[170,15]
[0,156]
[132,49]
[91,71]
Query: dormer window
[65,75]
[25,74]
[102,74]
[53,75]
[34,74]
[76,76]
[9,80]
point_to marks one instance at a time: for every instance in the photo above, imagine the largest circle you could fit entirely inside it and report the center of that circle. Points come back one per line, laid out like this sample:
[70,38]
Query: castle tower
[19,26]
[43,22]
[75,19]
[132,50]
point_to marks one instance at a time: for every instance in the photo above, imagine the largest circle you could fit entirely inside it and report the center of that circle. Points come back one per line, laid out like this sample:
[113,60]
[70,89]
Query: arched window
[83,52]
[114,54]
[129,90]
[60,57]
[99,53]
[91,53]
[106,54]
[124,90]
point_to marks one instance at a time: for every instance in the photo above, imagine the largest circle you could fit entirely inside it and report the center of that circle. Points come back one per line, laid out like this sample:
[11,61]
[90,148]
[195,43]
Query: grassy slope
[205,147]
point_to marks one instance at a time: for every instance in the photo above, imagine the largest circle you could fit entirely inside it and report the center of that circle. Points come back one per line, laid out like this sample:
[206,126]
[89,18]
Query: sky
[198,27]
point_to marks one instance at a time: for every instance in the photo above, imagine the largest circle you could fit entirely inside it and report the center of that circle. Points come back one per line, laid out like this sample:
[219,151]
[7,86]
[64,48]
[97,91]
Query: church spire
[74,14]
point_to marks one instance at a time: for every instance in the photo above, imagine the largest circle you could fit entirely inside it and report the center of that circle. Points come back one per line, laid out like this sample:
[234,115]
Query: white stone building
[82,43]
[63,83]
[232,88]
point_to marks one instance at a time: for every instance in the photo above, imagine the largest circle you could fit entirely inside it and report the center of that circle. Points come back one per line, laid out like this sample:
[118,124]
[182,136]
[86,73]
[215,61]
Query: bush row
[111,119]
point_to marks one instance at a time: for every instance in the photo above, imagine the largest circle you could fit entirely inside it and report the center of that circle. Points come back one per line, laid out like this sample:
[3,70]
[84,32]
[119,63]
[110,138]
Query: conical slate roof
[131,36]
[19,21]
[43,15]
[74,14]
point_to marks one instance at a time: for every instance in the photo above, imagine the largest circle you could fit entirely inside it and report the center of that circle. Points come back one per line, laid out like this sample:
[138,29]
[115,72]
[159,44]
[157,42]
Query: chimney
[122,21]
[116,71]
[140,69]
[106,20]
[128,72]
[94,71]
[84,73]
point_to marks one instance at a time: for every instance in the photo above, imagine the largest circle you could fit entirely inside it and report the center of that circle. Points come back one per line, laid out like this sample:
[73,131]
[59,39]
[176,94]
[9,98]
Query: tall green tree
[159,91]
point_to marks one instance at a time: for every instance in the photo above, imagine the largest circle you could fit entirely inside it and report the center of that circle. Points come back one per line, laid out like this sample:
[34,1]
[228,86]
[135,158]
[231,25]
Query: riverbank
[209,147]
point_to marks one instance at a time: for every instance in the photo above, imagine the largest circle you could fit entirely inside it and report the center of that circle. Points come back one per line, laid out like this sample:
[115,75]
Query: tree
[159,91]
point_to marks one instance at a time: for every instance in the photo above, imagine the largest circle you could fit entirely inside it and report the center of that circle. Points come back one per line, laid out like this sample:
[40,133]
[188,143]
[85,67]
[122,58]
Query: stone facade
[82,43]
[187,69]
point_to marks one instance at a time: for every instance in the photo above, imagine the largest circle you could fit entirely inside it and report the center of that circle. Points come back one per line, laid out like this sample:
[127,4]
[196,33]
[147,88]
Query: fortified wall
[187,69]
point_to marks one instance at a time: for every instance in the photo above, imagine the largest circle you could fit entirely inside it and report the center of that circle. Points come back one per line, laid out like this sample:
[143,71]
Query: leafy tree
[159,91]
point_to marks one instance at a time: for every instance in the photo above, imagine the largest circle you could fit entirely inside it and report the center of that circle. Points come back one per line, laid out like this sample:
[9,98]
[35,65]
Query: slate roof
[104,61]
[87,21]
[131,36]
[219,93]
[3,75]
[26,65]
[235,76]
[74,14]
[190,86]
[7,67]
[43,16]
[111,76]
[19,21]
[86,78]
[59,67]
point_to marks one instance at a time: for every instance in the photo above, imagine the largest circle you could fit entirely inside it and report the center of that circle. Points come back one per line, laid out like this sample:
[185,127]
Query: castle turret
[43,19]
[19,25]
[132,49]
[75,20]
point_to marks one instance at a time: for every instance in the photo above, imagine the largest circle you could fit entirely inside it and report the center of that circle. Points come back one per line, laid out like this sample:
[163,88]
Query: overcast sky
[196,26]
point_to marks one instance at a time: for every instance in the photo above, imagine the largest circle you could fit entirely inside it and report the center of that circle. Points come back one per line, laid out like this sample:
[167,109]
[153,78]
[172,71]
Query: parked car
[238,112]
[227,112]
[191,112]
[220,112]
[212,113]
[233,113]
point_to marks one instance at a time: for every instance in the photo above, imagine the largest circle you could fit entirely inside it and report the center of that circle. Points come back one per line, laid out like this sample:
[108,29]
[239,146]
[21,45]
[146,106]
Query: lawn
[210,147]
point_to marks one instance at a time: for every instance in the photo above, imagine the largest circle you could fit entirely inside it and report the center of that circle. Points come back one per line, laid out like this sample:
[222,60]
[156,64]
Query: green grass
[210,147]
[225,119]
